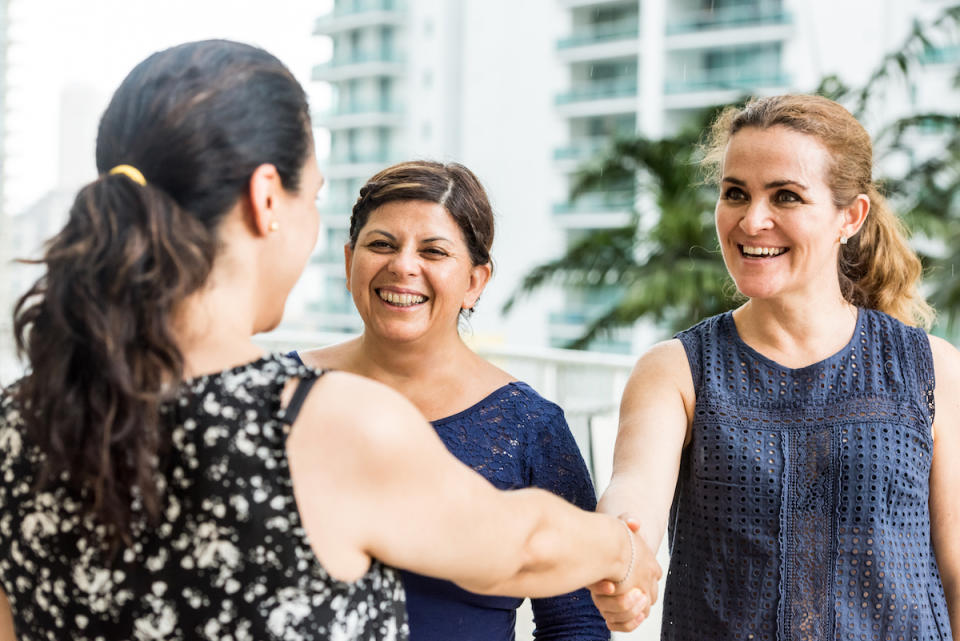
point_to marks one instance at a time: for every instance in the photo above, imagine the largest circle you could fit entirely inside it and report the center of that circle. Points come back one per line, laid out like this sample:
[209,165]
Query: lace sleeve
[555,464]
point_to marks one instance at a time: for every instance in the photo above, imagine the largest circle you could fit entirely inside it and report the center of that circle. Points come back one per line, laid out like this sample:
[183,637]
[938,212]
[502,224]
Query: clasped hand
[626,605]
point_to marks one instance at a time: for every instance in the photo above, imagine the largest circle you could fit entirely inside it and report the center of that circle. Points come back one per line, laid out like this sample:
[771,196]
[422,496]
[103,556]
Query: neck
[796,333]
[424,360]
[213,328]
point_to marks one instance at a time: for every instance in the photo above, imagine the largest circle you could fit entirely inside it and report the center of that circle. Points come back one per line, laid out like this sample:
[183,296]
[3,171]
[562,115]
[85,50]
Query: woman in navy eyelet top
[417,261]
[800,450]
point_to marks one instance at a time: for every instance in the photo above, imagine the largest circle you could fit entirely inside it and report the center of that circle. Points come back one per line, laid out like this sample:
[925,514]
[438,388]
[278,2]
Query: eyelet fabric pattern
[801,510]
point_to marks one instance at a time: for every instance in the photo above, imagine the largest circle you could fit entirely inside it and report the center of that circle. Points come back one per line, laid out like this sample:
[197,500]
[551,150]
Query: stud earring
[843,239]
[274,226]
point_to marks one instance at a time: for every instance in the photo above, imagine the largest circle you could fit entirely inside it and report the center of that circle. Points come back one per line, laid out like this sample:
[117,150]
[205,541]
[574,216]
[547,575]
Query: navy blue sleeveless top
[801,508]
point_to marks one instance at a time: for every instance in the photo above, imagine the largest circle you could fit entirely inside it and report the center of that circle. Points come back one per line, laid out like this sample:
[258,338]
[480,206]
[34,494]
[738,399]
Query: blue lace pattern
[801,510]
[515,438]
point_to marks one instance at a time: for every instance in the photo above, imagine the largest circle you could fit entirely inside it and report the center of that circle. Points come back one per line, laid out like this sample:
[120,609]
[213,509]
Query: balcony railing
[362,157]
[600,33]
[941,55]
[728,18]
[352,108]
[350,7]
[610,201]
[721,79]
[581,149]
[599,90]
[357,58]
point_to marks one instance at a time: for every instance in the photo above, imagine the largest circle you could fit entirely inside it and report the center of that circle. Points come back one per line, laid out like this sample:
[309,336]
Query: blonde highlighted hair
[877,267]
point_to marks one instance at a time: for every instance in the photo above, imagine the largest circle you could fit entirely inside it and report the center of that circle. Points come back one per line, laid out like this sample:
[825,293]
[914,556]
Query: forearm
[559,548]
[625,496]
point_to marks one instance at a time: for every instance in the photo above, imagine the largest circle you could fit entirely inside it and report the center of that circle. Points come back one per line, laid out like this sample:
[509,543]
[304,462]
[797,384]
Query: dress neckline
[489,397]
[731,326]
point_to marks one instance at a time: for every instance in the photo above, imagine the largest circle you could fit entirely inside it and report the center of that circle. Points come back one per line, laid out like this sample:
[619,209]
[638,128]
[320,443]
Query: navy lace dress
[515,438]
[801,508]
[230,559]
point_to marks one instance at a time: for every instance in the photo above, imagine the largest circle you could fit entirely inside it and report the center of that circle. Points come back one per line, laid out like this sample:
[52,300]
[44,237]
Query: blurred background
[581,117]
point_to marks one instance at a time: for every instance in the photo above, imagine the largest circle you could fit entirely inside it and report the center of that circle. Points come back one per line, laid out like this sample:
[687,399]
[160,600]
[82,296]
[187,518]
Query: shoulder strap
[292,410]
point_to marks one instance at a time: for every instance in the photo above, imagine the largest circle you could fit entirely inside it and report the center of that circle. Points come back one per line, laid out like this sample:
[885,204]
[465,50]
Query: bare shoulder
[946,362]
[338,356]
[665,363]
[357,405]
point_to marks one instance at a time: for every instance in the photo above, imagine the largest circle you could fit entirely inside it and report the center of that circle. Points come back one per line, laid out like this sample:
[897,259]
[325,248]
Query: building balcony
[600,34]
[357,14]
[941,55]
[720,87]
[600,209]
[345,164]
[600,90]
[598,201]
[357,64]
[352,115]
[733,79]
[568,325]
[581,149]
[728,18]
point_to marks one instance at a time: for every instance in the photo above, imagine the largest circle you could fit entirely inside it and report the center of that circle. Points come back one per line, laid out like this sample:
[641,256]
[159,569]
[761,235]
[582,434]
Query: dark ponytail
[97,328]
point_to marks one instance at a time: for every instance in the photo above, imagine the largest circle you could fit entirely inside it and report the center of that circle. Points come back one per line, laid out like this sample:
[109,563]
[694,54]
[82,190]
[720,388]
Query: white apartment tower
[376,118]
[645,66]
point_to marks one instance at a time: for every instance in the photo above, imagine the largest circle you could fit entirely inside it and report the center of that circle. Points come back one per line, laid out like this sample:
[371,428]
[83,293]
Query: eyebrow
[769,185]
[392,237]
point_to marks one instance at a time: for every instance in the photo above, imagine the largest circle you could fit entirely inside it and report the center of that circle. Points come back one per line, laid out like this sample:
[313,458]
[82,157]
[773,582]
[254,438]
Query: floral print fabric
[229,559]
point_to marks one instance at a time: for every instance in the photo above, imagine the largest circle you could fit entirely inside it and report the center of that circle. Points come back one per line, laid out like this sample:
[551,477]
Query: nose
[404,262]
[756,218]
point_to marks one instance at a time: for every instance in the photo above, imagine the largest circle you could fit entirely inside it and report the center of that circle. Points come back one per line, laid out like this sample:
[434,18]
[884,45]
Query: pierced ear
[479,277]
[347,262]
[263,190]
[855,215]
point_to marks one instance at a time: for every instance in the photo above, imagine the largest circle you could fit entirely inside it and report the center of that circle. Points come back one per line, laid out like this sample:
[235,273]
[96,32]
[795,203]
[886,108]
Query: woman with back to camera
[808,440]
[418,258]
[160,477]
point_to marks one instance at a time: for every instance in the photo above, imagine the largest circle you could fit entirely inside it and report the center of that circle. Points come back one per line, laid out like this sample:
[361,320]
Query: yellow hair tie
[130,172]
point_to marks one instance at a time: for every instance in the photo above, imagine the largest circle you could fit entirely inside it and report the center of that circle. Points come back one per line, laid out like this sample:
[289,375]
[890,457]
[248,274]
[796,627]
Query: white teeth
[402,300]
[762,251]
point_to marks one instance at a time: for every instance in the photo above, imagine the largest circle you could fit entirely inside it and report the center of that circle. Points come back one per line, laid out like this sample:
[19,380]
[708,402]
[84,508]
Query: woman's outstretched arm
[655,413]
[372,479]
[945,474]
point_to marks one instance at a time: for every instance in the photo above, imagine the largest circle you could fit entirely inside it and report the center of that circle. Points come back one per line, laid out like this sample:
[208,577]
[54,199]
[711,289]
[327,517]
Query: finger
[629,626]
[603,587]
[633,602]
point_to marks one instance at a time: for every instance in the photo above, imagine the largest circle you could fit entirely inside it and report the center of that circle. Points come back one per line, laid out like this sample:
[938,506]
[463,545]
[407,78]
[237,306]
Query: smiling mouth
[761,252]
[400,300]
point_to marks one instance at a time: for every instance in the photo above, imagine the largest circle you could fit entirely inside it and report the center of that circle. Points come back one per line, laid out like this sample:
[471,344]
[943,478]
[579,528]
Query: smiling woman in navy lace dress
[808,440]
[161,477]
[418,258]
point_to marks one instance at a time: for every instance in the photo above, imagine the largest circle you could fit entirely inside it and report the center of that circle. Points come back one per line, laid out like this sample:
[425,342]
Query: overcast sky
[90,45]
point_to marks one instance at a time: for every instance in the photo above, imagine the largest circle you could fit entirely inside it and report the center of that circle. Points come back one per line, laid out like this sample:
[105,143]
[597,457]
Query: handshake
[625,604]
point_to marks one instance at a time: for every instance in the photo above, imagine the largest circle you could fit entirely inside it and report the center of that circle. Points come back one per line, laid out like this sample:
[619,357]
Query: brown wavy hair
[877,267]
[96,328]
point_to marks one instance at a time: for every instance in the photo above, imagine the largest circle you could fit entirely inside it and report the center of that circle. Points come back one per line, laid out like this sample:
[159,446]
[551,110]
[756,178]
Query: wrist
[632,558]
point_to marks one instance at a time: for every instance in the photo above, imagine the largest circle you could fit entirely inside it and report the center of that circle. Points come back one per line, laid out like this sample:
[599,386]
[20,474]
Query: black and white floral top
[230,559]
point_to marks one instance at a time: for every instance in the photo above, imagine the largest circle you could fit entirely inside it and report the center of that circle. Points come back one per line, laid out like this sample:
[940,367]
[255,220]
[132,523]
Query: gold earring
[274,226]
